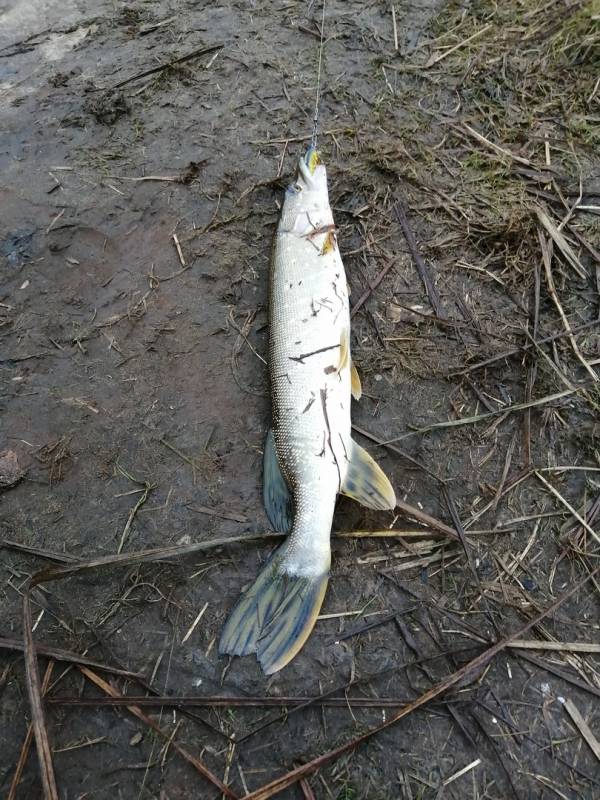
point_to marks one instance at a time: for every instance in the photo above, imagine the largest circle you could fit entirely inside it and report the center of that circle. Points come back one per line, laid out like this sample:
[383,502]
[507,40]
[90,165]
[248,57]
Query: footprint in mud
[106,108]
[17,247]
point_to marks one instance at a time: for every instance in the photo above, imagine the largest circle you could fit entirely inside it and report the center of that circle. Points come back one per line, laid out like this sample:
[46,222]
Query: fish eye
[297,187]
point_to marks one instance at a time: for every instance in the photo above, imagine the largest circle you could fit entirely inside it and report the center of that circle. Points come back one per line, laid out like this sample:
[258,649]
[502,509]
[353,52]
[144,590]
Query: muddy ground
[135,230]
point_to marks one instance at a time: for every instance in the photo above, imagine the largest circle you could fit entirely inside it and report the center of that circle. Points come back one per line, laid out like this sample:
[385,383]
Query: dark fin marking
[366,482]
[278,500]
[274,617]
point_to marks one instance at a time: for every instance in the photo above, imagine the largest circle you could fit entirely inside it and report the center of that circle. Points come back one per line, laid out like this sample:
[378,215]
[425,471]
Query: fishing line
[315,129]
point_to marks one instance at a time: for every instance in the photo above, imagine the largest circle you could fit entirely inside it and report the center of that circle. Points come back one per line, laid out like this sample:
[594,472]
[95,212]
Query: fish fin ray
[277,498]
[366,482]
[275,617]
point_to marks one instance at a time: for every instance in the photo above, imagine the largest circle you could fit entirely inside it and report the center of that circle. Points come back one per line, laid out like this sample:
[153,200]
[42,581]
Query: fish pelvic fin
[366,482]
[275,616]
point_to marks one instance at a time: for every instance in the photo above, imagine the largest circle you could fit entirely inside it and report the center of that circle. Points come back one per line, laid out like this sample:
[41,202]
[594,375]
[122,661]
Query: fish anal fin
[355,384]
[277,497]
[275,617]
[366,482]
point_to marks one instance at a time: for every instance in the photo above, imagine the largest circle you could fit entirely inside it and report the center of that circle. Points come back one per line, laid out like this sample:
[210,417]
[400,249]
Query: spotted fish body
[310,456]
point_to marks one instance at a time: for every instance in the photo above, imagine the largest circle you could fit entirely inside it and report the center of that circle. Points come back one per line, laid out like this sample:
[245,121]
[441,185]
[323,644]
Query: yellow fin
[344,351]
[355,383]
[366,482]
[329,243]
[344,359]
[275,616]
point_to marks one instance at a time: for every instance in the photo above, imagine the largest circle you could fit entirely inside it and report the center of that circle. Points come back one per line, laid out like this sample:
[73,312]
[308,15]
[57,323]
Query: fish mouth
[312,159]
[307,168]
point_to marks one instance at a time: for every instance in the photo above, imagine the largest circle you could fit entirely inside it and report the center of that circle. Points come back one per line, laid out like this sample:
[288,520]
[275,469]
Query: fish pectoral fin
[355,384]
[275,616]
[278,500]
[366,482]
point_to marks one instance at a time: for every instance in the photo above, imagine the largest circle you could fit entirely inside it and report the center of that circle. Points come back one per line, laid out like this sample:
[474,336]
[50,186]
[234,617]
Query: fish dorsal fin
[366,482]
[355,384]
[277,497]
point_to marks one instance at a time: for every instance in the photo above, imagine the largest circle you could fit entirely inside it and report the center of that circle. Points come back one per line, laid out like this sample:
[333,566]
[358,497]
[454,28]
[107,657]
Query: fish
[309,454]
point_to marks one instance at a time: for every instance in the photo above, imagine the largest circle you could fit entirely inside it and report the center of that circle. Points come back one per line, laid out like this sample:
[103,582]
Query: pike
[309,456]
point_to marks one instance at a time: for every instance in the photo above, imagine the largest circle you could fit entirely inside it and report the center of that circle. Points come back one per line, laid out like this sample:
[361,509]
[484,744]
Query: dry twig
[198,765]
[472,667]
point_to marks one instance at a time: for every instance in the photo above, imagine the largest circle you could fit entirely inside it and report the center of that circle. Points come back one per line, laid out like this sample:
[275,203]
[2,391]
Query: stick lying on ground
[202,51]
[222,701]
[137,712]
[165,553]
[66,655]
[472,667]
[44,750]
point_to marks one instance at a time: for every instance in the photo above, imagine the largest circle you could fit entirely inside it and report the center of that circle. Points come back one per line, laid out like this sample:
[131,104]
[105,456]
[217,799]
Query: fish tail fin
[275,616]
